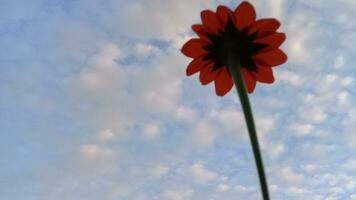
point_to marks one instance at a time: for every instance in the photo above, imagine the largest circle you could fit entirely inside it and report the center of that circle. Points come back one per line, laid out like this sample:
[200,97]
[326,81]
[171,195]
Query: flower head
[255,43]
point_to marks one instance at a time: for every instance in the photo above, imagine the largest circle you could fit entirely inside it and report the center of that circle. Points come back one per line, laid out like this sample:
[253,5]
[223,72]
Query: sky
[95,104]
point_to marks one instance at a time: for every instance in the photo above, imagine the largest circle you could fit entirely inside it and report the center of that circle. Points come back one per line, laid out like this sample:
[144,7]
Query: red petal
[264,74]
[195,66]
[273,40]
[264,25]
[245,15]
[271,58]
[223,14]
[223,83]
[210,21]
[250,81]
[194,48]
[207,75]
[200,31]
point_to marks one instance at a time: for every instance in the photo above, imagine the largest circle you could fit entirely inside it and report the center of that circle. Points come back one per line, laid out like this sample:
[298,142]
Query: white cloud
[302,129]
[201,174]
[102,90]
[121,190]
[351,183]
[242,189]
[233,122]
[309,167]
[298,190]
[160,87]
[298,46]
[289,175]
[158,18]
[151,131]
[273,188]
[107,56]
[276,150]
[145,50]
[317,150]
[309,98]
[230,119]
[350,165]
[339,61]
[178,195]
[186,114]
[97,94]
[353,197]
[106,135]
[103,76]
[314,114]
[264,125]
[94,152]
[339,182]
[203,134]
[330,78]
[346,81]
[289,77]
[223,188]
[342,97]
[158,170]
[276,7]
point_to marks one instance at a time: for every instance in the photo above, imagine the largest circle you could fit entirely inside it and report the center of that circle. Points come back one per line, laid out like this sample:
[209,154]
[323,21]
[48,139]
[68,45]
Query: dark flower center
[234,42]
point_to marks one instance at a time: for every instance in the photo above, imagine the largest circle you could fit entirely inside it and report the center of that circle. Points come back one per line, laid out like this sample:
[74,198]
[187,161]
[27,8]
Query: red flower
[254,42]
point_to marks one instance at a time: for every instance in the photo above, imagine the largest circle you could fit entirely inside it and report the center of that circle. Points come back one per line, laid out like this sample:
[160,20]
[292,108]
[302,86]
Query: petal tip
[245,15]
[194,48]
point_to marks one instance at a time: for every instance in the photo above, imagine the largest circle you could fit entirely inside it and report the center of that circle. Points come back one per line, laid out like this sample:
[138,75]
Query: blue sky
[95,104]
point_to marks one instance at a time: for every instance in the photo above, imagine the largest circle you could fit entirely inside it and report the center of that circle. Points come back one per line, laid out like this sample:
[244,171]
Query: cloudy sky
[95,104]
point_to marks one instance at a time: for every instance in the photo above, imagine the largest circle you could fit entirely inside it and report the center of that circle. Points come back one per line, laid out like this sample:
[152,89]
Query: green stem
[234,68]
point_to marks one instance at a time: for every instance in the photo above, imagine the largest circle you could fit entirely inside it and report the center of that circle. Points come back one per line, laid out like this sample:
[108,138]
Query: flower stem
[234,68]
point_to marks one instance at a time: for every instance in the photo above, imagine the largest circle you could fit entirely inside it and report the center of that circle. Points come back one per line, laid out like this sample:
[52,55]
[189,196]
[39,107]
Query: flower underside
[227,35]
[233,42]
